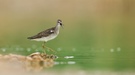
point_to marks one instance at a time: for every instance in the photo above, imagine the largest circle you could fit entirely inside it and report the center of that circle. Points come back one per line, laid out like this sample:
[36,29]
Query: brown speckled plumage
[44,33]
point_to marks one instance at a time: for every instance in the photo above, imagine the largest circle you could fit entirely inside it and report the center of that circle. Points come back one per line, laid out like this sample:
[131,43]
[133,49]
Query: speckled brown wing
[43,33]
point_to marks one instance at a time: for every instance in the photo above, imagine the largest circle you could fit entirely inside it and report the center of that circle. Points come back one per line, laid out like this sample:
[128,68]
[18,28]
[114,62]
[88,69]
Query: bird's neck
[57,28]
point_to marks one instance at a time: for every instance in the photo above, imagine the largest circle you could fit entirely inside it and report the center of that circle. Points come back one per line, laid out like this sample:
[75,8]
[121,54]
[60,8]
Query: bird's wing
[43,33]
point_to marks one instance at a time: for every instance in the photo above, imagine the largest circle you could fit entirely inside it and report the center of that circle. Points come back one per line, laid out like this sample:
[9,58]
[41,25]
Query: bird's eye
[60,23]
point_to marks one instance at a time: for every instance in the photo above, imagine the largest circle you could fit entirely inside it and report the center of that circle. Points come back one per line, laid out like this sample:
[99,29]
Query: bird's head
[60,22]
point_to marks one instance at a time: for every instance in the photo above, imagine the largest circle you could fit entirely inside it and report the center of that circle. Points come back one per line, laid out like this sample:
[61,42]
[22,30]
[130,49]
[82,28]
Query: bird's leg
[43,45]
[51,49]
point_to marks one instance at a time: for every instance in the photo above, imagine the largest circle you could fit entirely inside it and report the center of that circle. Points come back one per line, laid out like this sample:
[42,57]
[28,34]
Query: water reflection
[68,62]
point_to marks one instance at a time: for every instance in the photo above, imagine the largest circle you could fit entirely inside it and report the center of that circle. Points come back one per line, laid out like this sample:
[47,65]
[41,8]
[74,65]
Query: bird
[48,34]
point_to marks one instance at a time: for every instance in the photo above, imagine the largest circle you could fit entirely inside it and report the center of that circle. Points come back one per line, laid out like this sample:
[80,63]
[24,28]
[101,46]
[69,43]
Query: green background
[100,34]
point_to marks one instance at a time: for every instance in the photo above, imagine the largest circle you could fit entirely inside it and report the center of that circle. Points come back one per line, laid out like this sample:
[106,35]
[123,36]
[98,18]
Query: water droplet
[3,49]
[74,49]
[118,49]
[36,50]
[28,49]
[21,49]
[59,49]
[17,49]
[111,50]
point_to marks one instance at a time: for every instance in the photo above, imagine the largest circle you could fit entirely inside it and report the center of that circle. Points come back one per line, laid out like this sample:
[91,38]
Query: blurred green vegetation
[92,24]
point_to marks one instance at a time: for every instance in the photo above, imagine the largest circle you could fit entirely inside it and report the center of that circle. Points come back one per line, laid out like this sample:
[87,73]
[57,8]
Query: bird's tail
[30,38]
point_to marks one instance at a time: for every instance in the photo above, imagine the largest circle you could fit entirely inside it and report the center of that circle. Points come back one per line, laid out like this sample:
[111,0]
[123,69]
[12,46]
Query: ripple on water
[69,57]
[71,62]
[73,49]
[36,50]
[17,49]
[28,49]
[68,62]
[21,49]
[62,62]
[3,49]
[56,63]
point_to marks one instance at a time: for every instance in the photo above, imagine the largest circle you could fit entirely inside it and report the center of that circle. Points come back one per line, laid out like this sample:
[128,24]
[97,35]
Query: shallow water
[85,58]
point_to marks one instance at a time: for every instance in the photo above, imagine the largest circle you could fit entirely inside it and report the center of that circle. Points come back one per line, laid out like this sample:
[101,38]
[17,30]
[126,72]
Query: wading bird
[47,34]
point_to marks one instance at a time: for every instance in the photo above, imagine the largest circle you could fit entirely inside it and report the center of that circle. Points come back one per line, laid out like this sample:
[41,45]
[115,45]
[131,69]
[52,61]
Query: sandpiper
[47,34]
